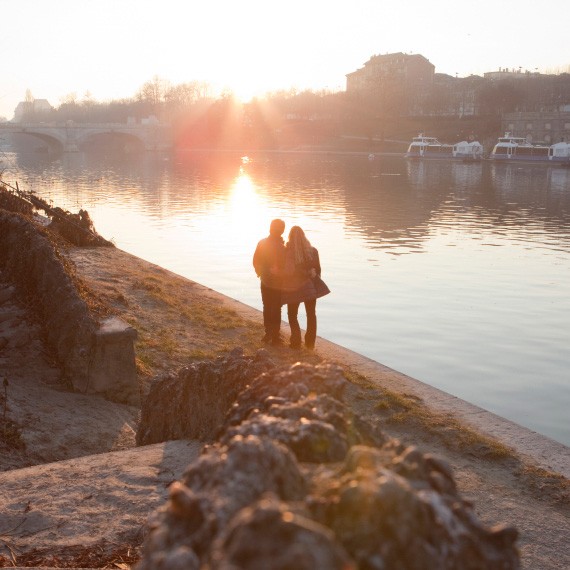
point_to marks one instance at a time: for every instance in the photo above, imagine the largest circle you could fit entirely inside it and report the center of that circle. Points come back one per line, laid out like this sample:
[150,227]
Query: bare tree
[69,99]
[185,94]
[153,91]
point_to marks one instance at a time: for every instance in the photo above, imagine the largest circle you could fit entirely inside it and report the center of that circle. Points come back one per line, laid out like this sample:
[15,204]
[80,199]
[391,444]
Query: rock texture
[295,480]
[192,403]
[86,348]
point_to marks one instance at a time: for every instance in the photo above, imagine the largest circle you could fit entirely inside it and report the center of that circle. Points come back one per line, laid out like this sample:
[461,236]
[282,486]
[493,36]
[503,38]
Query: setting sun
[245,91]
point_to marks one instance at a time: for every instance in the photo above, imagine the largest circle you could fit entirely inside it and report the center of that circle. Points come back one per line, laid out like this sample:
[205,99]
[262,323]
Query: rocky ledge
[293,479]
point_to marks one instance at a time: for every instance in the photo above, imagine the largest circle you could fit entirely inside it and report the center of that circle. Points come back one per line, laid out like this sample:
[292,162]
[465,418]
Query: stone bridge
[70,136]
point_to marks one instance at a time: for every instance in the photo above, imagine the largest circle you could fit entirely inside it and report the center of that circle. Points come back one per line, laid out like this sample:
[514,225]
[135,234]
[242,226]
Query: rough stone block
[112,370]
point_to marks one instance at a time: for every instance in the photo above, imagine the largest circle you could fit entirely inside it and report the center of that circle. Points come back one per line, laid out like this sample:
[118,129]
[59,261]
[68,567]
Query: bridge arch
[128,139]
[71,136]
[52,139]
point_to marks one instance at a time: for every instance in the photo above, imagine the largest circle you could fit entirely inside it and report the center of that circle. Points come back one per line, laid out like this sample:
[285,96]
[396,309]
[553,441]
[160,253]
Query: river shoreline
[547,453]
[519,486]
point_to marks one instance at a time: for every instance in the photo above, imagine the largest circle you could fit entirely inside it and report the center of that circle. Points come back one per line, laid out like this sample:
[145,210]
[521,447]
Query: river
[456,274]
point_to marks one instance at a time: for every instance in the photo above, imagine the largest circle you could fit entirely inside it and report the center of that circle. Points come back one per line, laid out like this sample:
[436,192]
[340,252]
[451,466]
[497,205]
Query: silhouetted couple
[290,275]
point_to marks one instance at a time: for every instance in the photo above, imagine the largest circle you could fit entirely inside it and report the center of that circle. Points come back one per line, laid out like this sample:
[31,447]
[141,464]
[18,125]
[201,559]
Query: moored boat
[560,152]
[520,149]
[468,150]
[429,147]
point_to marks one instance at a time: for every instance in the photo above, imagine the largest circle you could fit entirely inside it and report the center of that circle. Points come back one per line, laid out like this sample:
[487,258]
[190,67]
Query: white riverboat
[468,150]
[520,149]
[429,147]
[560,152]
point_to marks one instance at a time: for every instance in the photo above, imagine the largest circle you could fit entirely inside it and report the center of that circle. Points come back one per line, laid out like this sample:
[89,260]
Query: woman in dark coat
[302,284]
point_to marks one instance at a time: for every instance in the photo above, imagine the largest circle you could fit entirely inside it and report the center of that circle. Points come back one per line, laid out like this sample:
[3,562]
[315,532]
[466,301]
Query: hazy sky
[111,47]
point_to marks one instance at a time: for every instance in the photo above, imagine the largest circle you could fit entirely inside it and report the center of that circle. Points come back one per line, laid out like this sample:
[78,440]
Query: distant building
[539,126]
[451,97]
[398,84]
[394,81]
[503,74]
[34,108]
[412,71]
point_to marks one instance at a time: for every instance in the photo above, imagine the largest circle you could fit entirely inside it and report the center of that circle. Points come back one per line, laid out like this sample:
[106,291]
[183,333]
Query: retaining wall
[97,356]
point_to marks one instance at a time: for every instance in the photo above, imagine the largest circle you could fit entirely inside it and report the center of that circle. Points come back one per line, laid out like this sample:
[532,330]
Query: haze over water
[456,274]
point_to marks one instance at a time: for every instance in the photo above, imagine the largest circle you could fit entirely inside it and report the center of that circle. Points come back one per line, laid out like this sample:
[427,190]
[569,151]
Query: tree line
[292,118]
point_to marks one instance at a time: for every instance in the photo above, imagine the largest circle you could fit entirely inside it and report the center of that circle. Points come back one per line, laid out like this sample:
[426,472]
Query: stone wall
[96,356]
[293,478]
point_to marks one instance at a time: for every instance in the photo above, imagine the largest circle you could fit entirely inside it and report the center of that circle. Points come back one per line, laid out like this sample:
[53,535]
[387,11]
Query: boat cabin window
[501,150]
[532,151]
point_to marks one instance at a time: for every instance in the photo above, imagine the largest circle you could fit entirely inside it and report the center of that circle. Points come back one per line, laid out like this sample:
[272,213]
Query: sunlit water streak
[456,274]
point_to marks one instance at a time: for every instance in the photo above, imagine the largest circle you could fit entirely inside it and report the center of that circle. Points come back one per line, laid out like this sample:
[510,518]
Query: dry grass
[406,409]
[213,315]
[545,481]
[177,321]
[400,408]
[96,556]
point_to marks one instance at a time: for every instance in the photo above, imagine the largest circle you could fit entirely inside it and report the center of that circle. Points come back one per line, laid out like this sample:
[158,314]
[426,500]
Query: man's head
[277,227]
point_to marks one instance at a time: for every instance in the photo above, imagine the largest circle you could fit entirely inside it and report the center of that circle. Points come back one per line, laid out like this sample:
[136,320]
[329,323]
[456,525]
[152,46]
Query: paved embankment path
[87,500]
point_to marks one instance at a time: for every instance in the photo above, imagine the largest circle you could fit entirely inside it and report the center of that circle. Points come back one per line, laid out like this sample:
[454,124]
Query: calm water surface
[455,274]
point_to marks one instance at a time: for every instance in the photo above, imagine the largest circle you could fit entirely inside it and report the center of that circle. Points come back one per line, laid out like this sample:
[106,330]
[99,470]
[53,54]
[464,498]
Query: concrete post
[112,370]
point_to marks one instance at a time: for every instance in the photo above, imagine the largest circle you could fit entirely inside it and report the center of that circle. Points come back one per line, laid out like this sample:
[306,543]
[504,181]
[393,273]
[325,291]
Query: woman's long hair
[300,246]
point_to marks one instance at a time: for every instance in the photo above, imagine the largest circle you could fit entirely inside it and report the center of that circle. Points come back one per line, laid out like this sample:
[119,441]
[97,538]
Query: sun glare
[244,200]
[244,93]
[245,89]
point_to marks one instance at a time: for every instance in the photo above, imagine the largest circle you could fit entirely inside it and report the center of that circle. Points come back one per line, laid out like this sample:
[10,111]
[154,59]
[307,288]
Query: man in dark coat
[268,261]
